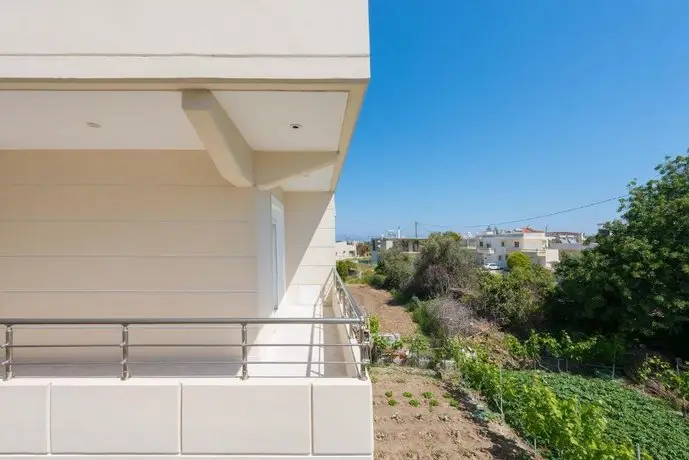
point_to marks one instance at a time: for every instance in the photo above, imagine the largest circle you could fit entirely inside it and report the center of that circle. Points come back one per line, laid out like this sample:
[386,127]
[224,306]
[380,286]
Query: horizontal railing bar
[171,363]
[173,321]
[193,345]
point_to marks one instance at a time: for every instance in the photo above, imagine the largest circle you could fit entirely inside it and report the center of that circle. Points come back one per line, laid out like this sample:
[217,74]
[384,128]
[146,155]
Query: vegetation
[442,266]
[618,302]
[414,402]
[392,402]
[518,260]
[516,299]
[344,267]
[635,282]
[649,422]
[363,249]
[397,269]
[568,426]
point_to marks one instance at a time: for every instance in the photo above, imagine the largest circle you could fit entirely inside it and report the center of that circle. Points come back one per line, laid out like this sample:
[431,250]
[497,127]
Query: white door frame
[277,253]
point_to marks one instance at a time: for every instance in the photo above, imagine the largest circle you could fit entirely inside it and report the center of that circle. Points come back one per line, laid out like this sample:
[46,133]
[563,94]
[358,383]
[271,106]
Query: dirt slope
[441,432]
[393,318]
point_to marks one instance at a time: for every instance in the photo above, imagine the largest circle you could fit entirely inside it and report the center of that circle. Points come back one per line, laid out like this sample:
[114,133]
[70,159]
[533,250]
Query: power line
[589,205]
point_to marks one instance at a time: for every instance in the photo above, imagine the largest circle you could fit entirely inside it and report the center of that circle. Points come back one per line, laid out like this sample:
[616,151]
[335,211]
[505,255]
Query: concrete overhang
[270,88]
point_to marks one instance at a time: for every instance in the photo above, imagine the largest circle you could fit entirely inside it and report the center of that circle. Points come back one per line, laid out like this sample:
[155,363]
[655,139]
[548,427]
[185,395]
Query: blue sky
[488,111]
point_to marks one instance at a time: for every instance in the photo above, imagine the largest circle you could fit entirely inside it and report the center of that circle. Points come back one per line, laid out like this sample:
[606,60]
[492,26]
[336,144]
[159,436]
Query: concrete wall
[310,248]
[281,418]
[184,39]
[140,234]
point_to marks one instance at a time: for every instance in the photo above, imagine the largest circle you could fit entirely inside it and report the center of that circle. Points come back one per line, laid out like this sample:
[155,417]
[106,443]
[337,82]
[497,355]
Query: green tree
[636,280]
[518,259]
[441,266]
[344,267]
[397,268]
[517,299]
[454,235]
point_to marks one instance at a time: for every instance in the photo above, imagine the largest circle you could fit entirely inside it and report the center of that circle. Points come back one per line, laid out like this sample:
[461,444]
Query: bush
[518,259]
[441,266]
[344,267]
[450,317]
[377,281]
[397,268]
[516,299]
[567,427]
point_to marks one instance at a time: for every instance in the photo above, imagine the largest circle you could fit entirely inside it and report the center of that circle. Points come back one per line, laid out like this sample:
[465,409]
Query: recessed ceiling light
[92,124]
[295,126]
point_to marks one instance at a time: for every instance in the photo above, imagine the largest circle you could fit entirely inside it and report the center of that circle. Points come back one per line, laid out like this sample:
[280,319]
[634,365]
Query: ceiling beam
[273,168]
[228,149]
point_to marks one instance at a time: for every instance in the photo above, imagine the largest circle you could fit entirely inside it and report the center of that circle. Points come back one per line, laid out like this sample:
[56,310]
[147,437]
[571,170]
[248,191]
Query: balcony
[127,405]
[485,250]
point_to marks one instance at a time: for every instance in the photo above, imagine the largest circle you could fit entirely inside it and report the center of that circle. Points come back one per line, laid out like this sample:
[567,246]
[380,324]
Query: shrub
[344,267]
[451,317]
[377,280]
[392,402]
[414,403]
[407,394]
[433,402]
[388,394]
[517,299]
[441,266]
[572,426]
[518,259]
[397,268]
[427,394]
[374,324]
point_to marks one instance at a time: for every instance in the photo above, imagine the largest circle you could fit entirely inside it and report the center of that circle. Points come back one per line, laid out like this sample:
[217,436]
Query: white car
[491,266]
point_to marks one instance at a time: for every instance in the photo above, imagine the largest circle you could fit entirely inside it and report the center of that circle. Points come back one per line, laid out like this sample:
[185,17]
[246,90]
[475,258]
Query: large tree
[636,280]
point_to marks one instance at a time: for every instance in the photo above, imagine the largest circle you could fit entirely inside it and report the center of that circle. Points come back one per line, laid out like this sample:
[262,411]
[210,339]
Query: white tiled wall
[284,418]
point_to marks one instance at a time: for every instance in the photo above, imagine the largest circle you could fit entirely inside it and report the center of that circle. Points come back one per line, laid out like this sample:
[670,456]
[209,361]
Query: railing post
[125,352]
[245,352]
[363,351]
[9,336]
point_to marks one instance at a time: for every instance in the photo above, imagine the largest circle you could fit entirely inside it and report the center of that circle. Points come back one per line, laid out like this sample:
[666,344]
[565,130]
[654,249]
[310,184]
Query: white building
[408,245]
[167,229]
[345,250]
[494,247]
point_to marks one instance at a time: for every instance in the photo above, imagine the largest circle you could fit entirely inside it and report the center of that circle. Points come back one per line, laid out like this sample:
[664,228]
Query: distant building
[494,246]
[345,250]
[566,237]
[408,245]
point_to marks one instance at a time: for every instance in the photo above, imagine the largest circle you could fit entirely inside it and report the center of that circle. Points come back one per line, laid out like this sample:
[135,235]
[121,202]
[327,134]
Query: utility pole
[416,229]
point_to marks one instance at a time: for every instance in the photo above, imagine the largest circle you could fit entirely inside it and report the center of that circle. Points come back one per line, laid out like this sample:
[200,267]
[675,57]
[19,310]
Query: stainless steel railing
[350,317]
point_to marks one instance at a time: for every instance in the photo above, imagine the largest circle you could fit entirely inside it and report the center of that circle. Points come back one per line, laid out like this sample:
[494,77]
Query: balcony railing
[349,316]
[485,250]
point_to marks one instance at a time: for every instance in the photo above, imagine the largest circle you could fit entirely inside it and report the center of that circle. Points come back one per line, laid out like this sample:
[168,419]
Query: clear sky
[482,111]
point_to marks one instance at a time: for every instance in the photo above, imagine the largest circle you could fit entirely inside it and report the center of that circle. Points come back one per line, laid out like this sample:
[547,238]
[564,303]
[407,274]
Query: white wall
[310,236]
[124,234]
[280,418]
[184,39]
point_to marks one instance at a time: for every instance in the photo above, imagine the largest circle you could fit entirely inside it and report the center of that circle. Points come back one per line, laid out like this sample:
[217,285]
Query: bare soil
[440,432]
[393,317]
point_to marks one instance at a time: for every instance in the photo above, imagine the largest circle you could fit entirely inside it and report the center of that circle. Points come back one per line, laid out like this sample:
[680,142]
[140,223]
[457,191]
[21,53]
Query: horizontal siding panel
[316,256]
[139,273]
[323,237]
[127,238]
[306,274]
[328,220]
[125,203]
[143,167]
[127,304]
